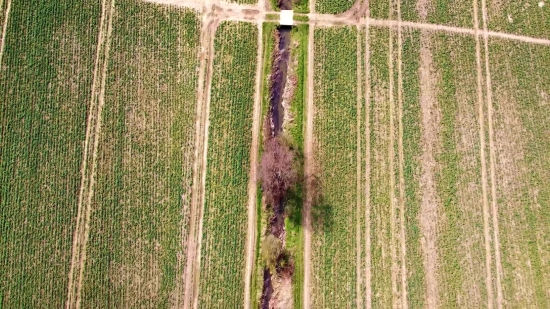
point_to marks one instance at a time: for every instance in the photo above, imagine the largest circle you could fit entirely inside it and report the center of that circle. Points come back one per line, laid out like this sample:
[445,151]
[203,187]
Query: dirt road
[4,27]
[252,185]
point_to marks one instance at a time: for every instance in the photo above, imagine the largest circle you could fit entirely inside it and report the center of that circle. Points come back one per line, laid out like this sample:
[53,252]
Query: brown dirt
[484,180]
[492,158]
[252,185]
[431,117]
[4,27]
[81,234]
[308,166]
[282,292]
[422,7]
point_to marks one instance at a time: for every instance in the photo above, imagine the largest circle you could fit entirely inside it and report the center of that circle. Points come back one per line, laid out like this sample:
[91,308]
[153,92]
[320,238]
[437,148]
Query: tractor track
[4,27]
[82,229]
[486,215]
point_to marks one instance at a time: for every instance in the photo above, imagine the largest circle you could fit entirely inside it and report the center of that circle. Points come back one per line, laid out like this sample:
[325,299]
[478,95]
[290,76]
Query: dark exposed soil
[267,290]
[278,78]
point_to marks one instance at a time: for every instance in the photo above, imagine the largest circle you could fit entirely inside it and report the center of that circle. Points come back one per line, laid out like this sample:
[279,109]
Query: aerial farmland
[235,154]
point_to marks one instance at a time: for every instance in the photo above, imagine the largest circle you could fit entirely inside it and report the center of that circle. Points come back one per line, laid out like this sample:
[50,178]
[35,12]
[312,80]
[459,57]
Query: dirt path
[308,165]
[4,28]
[197,168]
[368,276]
[488,276]
[492,158]
[208,84]
[359,299]
[93,128]
[402,238]
[431,117]
[252,185]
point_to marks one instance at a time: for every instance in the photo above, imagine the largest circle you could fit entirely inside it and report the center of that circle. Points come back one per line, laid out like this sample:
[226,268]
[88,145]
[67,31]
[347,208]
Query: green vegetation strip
[45,85]
[335,129]
[229,140]
[143,191]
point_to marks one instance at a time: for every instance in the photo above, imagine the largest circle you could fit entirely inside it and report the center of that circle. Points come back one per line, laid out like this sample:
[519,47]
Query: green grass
[520,83]
[332,6]
[144,176]
[229,140]
[298,6]
[293,223]
[45,86]
[303,18]
[335,128]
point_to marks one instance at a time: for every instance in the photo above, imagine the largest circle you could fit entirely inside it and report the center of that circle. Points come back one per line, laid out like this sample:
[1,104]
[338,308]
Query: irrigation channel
[277,84]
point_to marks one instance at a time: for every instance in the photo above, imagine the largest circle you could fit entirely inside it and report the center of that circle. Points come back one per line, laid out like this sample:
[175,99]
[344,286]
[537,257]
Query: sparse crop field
[521,121]
[45,84]
[520,17]
[335,131]
[140,207]
[228,166]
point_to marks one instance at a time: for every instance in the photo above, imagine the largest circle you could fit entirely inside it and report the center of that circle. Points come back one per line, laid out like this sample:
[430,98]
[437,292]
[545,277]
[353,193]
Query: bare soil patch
[431,117]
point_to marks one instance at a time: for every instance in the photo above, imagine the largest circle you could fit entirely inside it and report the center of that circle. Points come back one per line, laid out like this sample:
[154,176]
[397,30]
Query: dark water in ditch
[278,79]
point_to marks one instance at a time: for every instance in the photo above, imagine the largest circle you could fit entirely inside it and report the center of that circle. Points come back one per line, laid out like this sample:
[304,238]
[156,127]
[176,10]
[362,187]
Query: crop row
[335,130]
[333,6]
[140,207]
[228,166]
[45,84]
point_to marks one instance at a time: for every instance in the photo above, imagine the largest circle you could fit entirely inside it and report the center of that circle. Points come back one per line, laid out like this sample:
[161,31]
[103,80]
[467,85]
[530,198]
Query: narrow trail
[394,262]
[101,103]
[402,238]
[368,265]
[208,91]
[252,185]
[492,158]
[308,165]
[4,28]
[358,162]
[488,280]
[198,167]
[93,128]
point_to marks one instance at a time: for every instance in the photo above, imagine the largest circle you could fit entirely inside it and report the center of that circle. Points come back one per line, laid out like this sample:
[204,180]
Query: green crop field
[335,129]
[332,6]
[126,150]
[228,166]
[45,85]
[140,206]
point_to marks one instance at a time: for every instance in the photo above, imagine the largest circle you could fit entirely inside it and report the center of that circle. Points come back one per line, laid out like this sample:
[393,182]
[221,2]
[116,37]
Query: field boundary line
[308,168]
[252,185]
[195,191]
[4,28]
[212,28]
[86,184]
[368,276]
[401,158]
[488,280]
[492,158]
[395,293]
[358,167]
